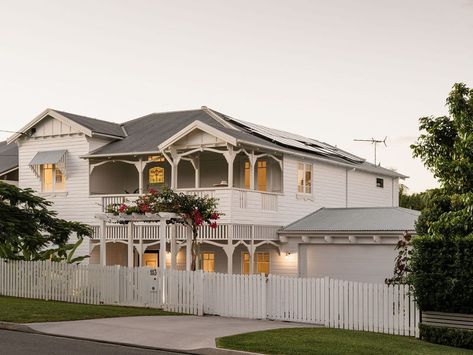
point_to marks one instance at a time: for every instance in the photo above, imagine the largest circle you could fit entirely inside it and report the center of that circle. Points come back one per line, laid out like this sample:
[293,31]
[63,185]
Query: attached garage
[368,263]
[353,244]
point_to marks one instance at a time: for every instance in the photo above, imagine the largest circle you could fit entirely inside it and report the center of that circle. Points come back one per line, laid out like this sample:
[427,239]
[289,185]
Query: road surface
[13,343]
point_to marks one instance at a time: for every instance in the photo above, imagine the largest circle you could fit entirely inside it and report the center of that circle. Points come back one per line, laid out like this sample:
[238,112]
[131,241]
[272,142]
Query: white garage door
[367,263]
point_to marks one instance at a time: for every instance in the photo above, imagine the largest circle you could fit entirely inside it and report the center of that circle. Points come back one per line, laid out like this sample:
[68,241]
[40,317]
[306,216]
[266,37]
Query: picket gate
[330,302]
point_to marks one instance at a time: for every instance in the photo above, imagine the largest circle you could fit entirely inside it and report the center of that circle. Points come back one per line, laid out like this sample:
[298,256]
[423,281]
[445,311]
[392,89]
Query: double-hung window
[304,178]
[52,178]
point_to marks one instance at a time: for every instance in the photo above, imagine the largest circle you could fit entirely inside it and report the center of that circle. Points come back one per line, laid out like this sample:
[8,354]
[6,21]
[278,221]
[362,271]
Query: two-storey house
[264,180]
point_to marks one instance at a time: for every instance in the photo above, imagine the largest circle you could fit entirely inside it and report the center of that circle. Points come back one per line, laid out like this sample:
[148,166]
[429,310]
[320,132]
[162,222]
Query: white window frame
[306,167]
[54,170]
[255,266]
[202,257]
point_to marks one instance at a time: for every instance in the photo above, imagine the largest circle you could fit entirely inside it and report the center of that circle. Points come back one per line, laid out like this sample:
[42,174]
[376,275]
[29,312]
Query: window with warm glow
[262,180]
[156,175]
[208,262]
[261,263]
[158,158]
[52,179]
[246,263]
[304,178]
[247,174]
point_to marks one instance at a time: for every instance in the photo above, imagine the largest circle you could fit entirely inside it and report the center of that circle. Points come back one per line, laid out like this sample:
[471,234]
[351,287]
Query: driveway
[170,332]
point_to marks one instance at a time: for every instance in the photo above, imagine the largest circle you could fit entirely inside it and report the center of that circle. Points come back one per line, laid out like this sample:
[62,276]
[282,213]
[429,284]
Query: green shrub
[441,273]
[460,338]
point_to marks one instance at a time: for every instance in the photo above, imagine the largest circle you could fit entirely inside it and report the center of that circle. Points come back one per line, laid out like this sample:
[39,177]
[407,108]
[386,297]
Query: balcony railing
[150,231]
[243,199]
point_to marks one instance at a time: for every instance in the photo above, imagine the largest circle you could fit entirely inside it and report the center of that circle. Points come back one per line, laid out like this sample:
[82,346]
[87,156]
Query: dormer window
[380,182]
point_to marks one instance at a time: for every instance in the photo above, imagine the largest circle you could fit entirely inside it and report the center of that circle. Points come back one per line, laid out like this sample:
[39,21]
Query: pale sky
[332,70]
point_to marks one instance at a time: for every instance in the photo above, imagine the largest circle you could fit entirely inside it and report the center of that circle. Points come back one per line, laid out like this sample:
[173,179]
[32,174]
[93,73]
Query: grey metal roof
[48,157]
[145,134]
[8,157]
[359,219]
[95,125]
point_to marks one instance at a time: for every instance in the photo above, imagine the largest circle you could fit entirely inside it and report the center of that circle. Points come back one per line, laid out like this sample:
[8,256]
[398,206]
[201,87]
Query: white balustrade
[269,202]
[150,231]
[117,200]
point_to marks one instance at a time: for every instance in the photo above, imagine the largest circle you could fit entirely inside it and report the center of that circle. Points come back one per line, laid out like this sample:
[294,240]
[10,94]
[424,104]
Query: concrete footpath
[169,332]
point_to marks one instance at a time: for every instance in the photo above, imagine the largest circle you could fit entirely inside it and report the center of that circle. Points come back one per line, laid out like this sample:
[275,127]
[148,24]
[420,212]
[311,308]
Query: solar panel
[297,141]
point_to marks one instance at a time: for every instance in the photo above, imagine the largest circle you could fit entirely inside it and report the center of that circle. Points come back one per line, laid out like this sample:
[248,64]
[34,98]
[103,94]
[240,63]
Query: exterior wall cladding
[332,186]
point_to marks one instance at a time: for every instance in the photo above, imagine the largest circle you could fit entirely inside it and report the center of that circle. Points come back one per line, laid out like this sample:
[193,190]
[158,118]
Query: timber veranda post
[130,243]
[162,258]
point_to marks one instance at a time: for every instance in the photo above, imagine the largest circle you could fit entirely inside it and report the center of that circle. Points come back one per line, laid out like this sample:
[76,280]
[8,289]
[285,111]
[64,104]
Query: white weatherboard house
[268,182]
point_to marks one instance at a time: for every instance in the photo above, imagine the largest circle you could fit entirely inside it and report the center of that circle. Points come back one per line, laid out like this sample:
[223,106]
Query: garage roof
[361,219]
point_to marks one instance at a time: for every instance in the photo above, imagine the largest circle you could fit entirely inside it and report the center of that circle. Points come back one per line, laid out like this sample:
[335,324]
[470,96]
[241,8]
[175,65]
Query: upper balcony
[243,180]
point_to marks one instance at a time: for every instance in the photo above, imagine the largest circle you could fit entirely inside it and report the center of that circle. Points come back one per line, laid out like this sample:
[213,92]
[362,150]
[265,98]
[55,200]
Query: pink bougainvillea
[193,210]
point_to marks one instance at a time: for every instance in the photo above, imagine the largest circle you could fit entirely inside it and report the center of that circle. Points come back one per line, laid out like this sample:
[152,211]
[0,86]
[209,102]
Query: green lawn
[331,341]
[25,310]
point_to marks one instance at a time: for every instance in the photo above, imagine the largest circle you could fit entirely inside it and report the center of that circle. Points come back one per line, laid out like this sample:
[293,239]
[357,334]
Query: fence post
[264,282]
[326,304]
[200,293]
[103,245]
[117,284]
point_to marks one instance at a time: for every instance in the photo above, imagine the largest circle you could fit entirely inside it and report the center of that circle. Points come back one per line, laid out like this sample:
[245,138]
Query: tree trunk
[194,249]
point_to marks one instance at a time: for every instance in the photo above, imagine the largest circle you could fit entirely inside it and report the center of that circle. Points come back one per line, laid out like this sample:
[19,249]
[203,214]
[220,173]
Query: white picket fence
[333,303]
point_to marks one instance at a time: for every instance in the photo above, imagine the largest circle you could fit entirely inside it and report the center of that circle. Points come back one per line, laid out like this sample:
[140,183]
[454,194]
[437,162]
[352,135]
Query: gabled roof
[145,135]
[95,125]
[8,157]
[197,125]
[88,126]
[361,219]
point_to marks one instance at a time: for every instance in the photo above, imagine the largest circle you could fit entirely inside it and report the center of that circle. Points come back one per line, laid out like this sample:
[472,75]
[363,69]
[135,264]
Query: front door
[151,258]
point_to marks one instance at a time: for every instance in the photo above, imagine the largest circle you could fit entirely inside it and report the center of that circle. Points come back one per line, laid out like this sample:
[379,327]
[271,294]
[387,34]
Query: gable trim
[201,126]
[43,115]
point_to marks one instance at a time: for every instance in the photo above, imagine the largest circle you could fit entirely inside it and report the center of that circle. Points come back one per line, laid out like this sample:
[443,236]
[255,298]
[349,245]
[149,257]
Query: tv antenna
[375,142]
